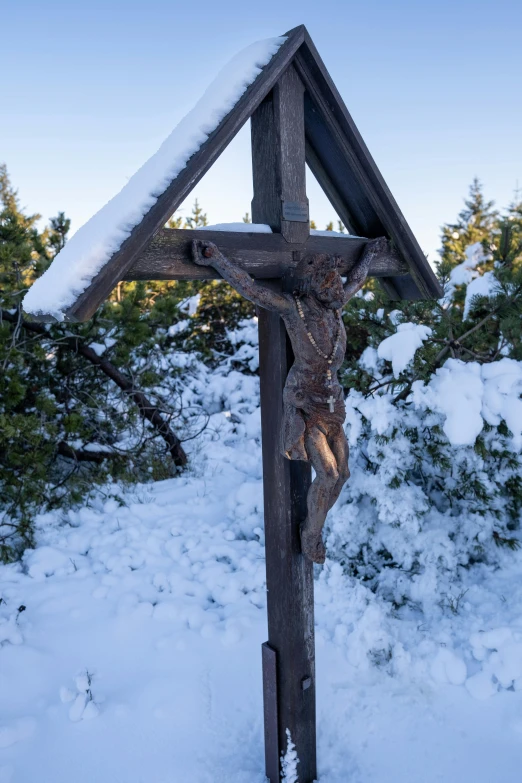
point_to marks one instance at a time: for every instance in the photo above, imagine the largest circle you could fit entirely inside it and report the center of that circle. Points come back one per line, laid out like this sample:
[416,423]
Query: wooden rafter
[169,255]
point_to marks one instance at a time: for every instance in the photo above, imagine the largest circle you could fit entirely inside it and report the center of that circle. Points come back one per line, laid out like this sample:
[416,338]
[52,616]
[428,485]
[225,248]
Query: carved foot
[312,545]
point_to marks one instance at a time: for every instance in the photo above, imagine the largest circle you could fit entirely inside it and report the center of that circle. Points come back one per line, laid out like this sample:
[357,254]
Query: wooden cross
[297,117]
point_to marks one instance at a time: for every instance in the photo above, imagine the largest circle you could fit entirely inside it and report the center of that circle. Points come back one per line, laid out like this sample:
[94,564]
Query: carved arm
[208,254]
[357,275]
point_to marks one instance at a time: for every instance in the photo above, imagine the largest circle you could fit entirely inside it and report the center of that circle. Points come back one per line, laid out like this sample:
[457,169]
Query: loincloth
[302,411]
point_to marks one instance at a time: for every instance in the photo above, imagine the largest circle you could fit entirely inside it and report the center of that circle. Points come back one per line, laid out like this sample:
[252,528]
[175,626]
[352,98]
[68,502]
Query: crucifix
[295,279]
[312,423]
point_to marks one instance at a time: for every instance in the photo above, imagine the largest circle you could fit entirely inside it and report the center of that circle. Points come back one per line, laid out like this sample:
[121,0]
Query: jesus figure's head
[320,278]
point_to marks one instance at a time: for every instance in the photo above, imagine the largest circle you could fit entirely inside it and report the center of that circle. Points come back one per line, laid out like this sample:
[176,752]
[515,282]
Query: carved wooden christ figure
[313,399]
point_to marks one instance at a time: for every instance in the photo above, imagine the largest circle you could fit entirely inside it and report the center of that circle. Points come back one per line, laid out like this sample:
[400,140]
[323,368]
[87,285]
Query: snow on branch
[400,348]
[469,394]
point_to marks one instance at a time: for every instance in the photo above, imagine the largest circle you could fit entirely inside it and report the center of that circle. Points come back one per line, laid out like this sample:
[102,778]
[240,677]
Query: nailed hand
[377,247]
[203,253]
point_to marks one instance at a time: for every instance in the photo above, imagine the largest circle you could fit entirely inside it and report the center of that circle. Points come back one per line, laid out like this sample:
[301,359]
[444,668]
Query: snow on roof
[317,232]
[255,228]
[96,241]
[262,228]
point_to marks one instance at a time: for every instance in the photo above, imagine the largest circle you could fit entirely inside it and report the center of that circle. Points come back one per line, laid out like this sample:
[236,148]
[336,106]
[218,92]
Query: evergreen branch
[146,409]
[84,455]
[457,343]
[386,382]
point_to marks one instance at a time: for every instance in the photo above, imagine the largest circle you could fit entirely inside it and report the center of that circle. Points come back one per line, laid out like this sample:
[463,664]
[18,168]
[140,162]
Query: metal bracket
[305,683]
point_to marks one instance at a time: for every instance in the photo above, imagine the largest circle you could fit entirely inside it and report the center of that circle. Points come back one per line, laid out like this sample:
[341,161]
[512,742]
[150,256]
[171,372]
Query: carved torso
[310,397]
[309,368]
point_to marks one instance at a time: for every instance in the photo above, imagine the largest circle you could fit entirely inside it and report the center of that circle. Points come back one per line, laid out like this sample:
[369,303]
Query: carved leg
[319,494]
[341,451]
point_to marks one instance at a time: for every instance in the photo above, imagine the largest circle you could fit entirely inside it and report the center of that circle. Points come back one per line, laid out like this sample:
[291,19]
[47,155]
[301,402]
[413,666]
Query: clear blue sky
[90,90]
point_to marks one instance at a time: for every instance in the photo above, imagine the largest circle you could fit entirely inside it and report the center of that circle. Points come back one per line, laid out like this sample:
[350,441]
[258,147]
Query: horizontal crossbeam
[169,255]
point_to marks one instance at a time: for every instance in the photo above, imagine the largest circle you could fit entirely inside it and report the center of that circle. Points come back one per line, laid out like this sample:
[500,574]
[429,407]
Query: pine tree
[58,229]
[198,217]
[484,329]
[55,400]
[474,224]
[25,445]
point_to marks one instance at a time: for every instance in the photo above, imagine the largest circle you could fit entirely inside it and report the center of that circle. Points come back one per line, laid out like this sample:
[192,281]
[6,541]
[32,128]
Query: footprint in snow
[20,730]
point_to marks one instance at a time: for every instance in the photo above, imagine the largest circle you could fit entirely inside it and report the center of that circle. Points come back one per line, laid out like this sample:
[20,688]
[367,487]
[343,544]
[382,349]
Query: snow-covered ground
[130,640]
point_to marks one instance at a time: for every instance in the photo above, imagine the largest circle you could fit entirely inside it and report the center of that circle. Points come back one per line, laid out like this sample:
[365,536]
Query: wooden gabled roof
[336,154]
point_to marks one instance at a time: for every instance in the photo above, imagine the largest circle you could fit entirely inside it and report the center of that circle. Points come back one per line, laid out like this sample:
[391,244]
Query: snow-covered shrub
[419,504]
[434,418]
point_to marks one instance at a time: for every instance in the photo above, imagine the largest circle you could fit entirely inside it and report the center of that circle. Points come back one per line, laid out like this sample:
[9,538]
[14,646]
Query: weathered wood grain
[265,176]
[289,575]
[291,161]
[169,255]
[272,758]
[278,143]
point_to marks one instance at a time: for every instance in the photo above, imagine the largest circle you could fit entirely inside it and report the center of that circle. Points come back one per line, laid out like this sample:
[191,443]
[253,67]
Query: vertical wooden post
[278,157]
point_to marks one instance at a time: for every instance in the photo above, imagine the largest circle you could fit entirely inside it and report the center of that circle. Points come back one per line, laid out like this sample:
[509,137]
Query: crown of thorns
[317,264]
[312,266]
